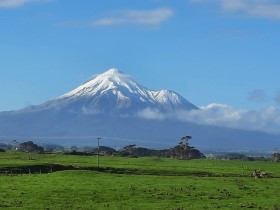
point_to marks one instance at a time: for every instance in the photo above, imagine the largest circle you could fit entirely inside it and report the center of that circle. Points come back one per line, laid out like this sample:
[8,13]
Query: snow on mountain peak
[113,71]
[114,90]
[110,79]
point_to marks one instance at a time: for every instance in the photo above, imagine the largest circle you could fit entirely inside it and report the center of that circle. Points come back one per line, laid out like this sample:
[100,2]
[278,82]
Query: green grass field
[135,183]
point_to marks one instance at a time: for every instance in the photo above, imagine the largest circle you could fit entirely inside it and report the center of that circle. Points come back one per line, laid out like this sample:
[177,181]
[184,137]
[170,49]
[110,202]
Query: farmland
[57,181]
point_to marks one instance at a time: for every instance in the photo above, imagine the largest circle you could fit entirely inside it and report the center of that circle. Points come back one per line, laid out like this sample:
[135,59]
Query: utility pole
[98,139]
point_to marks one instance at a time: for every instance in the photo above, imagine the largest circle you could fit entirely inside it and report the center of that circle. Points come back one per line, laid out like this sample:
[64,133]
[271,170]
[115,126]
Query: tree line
[181,151]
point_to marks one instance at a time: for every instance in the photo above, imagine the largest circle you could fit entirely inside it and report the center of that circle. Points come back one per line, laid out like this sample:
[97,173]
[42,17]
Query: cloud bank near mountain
[265,120]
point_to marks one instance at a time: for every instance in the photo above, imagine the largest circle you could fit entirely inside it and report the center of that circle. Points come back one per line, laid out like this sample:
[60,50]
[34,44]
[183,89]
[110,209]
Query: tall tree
[130,149]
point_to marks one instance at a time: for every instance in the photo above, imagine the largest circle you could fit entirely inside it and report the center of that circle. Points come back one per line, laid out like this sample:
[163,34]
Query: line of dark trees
[181,151]
[27,146]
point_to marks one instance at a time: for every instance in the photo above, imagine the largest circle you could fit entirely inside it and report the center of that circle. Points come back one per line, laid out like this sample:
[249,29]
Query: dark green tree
[184,151]
[129,150]
[29,146]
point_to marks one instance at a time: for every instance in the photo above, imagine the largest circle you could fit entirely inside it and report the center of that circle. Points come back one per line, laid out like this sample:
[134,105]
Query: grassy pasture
[137,183]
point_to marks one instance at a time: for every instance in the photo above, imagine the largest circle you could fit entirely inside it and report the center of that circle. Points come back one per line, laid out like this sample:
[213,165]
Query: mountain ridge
[113,92]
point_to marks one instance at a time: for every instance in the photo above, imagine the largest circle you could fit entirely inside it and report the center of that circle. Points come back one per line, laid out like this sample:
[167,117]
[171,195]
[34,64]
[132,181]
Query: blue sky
[209,51]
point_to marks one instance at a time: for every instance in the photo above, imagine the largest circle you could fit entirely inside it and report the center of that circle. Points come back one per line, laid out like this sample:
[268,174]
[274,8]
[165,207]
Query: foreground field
[141,183]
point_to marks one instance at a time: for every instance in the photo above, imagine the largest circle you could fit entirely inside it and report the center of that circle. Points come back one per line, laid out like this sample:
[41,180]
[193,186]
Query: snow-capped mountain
[112,104]
[116,92]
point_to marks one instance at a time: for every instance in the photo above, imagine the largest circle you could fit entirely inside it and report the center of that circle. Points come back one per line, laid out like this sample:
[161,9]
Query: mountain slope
[48,126]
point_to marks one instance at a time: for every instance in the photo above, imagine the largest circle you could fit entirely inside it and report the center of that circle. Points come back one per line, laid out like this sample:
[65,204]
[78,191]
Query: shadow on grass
[50,168]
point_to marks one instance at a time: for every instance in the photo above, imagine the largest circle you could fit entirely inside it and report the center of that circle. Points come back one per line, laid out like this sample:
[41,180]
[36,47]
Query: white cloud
[17,3]
[266,120]
[151,114]
[87,111]
[137,17]
[254,8]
